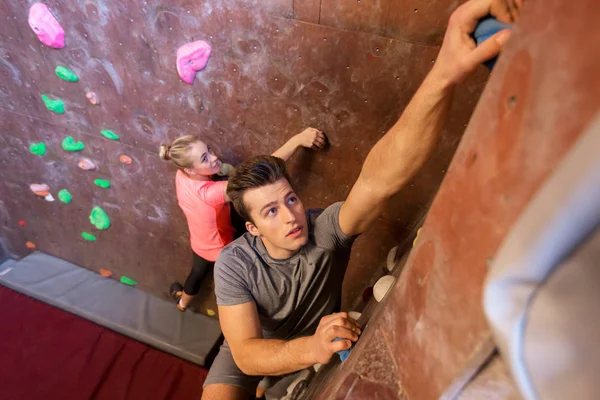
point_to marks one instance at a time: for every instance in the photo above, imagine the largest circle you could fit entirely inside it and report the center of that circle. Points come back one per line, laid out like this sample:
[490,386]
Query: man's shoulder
[239,252]
[326,216]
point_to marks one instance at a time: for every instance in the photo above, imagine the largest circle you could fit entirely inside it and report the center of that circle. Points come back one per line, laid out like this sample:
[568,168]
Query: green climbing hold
[103,183]
[66,74]
[127,281]
[109,134]
[56,105]
[65,196]
[69,144]
[38,148]
[88,236]
[99,219]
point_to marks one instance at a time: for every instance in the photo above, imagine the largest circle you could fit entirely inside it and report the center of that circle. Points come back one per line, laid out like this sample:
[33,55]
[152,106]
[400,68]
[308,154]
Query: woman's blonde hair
[179,152]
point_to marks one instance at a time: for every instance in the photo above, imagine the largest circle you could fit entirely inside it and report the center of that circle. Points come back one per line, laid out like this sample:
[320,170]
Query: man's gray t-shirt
[291,295]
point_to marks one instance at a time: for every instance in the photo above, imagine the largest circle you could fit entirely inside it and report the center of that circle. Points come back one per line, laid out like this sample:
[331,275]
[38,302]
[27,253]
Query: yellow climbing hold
[416,237]
[210,312]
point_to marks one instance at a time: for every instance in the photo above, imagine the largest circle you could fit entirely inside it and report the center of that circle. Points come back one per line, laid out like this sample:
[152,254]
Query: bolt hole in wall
[511,102]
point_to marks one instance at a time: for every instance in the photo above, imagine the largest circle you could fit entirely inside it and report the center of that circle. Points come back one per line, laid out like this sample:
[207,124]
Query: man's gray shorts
[225,371]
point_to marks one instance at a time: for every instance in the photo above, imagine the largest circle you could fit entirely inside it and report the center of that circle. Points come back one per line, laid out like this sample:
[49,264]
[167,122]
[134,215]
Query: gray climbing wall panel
[270,75]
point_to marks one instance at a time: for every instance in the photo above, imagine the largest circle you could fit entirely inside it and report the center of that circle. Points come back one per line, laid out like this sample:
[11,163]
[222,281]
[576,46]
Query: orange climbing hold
[87,165]
[92,97]
[125,159]
[40,189]
[105,273]
[30,245]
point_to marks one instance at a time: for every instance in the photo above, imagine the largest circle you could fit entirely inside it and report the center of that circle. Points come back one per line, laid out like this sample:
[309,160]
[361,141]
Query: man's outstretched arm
[399,155]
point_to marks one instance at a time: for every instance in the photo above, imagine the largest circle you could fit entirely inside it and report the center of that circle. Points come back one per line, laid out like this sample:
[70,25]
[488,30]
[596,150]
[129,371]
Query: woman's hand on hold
[312,138]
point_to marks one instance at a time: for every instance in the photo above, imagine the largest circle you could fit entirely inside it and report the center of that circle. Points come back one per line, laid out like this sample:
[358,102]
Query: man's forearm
[273,356]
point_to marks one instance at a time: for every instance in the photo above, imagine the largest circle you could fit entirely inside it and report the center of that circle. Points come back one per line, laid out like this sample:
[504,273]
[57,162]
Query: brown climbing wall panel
[268,78]
[541,96]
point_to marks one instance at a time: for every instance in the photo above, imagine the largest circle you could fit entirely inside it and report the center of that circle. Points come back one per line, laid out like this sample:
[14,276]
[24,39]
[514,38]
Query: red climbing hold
[22,223]
[367,294]
[370,57]
[30,245]
[105,273]
[125,159]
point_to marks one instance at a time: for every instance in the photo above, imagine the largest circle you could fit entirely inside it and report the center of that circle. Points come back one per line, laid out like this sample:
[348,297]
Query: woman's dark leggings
[200,267]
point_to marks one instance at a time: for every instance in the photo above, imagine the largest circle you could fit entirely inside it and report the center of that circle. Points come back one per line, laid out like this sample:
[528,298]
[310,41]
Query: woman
[205,203]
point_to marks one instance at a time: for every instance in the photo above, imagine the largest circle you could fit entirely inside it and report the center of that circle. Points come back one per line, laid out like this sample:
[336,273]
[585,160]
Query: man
[278,285]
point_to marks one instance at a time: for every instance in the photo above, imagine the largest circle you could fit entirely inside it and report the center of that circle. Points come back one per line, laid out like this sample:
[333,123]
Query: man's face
[278,218]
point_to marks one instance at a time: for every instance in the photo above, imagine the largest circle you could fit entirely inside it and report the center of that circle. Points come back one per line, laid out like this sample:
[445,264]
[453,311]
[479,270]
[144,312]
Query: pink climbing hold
[87,165]
[191,58]
[46,27]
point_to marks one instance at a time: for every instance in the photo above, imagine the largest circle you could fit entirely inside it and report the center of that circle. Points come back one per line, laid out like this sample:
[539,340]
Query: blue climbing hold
[486,28]
[343,354]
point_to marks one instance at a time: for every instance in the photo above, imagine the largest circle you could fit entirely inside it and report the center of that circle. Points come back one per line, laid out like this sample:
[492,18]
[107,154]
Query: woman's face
[205,161]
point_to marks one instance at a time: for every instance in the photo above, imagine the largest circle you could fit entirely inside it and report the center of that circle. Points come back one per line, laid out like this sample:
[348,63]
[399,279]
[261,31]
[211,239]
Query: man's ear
[250,227]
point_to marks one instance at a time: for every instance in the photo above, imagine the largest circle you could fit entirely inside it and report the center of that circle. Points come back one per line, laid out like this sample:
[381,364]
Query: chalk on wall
[109,134]
[54,105]
[103,183]
[99,218]
[38,148]
[191,58]
[88,236]
[66,74]
[69,144]
[87,165]
[45,26]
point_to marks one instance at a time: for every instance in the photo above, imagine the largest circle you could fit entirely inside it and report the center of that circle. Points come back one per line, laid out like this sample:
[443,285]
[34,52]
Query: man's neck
[278,253]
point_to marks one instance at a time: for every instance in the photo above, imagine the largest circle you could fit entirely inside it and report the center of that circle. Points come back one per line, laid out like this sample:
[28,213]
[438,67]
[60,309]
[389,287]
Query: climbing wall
[424,341]
[345,67]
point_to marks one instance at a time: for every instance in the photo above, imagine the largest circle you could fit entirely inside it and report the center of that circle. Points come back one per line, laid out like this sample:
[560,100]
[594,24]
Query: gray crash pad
[122,308]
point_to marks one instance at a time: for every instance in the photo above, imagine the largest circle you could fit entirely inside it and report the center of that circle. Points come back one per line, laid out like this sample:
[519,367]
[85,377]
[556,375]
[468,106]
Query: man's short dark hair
[253,173]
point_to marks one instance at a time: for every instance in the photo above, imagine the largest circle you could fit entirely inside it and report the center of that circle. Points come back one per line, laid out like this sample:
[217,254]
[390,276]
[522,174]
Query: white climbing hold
[392,258]
[382,286]
[49,197]
[355,315]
